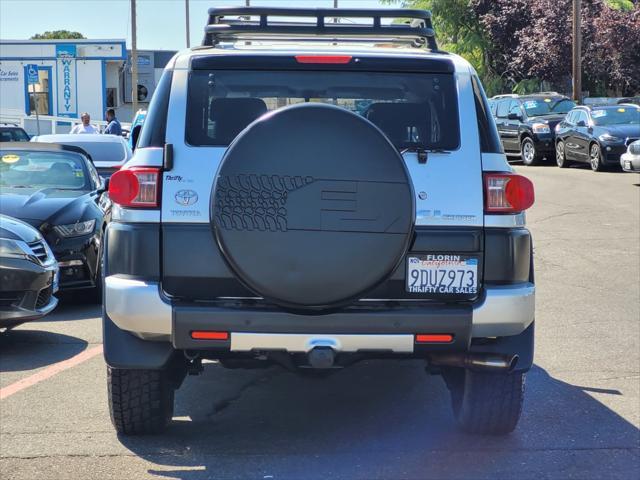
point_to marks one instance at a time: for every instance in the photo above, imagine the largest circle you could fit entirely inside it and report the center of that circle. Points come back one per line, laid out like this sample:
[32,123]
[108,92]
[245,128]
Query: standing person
[114,127]
[85,126]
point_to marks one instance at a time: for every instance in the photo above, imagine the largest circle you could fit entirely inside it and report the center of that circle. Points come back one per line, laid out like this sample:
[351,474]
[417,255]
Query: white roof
[79,137]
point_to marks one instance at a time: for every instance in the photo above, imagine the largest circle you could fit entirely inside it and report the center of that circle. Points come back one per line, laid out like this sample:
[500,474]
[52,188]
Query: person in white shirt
[85,126]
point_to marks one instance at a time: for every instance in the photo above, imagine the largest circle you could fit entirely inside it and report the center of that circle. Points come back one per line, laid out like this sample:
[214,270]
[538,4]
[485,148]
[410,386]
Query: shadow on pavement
[379,420]
[25,349]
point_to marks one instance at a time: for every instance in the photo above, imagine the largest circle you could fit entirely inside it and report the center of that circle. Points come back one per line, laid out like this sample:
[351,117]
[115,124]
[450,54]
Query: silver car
[630,161]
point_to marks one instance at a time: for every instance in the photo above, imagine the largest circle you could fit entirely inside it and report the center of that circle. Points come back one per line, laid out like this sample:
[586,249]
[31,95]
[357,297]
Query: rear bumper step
[138,306]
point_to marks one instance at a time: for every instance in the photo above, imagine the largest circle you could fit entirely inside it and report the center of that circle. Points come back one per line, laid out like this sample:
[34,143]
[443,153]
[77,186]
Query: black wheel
[486,403]
[595,158]
[561,156]
[530,156]
[140,401]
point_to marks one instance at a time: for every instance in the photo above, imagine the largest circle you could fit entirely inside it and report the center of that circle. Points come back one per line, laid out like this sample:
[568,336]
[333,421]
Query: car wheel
[486,403]
[595,158]
[528,152]
[561,156]
[140,401]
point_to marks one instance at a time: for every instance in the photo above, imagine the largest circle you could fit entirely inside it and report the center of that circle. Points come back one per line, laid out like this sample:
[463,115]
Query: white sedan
[108,152]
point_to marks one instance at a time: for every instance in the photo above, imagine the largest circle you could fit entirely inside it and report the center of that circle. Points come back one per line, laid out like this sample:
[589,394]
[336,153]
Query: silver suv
[310,194]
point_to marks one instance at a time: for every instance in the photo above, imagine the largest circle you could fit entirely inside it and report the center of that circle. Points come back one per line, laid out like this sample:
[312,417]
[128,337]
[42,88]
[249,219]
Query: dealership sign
[66,73]
[10,75]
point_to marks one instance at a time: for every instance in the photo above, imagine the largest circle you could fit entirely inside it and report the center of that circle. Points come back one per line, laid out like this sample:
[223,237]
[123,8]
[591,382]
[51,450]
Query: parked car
[597,135]
[316,209]
[56,189]
[108,152]
[629,100]
[12,133]
[630,160]
[28,274]
[526,123]
[136,127]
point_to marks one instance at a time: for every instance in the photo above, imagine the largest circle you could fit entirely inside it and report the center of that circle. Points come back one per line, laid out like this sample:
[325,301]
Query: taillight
[336,59]
[136,187]
[507,193]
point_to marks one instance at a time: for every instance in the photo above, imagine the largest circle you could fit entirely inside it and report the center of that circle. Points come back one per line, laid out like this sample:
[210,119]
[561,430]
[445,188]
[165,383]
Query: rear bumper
[139,307]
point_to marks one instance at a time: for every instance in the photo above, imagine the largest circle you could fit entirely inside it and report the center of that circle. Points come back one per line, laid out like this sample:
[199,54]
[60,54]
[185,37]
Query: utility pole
[134,59]
[335,5]
[186,11]
[577,49]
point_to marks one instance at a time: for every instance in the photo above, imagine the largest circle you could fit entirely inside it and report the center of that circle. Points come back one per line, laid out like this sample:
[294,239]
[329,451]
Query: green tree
[58,35]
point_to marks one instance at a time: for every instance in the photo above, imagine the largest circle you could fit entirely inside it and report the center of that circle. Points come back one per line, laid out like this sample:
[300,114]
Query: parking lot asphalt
[376,420]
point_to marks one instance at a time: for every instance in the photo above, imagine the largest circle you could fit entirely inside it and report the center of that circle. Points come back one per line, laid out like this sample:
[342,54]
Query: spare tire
[312,206]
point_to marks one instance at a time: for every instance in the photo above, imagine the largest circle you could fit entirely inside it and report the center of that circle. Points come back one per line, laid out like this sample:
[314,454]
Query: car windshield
[102,151]
[13,135]
[547,106]
[35,169]
[616,116]
[413,110]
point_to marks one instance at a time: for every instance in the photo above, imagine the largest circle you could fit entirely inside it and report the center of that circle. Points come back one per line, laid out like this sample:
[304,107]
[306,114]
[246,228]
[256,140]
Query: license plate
[442,274]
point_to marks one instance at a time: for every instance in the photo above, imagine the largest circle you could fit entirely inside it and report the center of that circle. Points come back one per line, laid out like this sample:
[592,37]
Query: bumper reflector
[209,335]
[434,338]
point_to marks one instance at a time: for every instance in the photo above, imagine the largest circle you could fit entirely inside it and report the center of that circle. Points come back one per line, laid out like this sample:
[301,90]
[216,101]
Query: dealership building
[74,76]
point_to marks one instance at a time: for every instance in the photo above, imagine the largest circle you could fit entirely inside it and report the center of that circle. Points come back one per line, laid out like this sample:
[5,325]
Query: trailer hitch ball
[321,357]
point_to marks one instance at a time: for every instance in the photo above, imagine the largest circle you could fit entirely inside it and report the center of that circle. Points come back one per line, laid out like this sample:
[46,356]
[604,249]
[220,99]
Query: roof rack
[418,32]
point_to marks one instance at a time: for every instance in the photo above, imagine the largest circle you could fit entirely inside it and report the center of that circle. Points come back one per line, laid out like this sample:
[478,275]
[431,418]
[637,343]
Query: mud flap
[124,350]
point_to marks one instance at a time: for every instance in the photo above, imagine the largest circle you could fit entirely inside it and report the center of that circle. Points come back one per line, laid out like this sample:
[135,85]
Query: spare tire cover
[312,206]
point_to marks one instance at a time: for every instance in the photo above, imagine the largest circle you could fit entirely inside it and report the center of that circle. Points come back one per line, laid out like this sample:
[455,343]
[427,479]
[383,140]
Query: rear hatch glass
[414,110]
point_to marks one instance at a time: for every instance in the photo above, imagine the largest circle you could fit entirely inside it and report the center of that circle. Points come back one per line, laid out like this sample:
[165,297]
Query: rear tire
[486,403]
[528,153]
[140,401]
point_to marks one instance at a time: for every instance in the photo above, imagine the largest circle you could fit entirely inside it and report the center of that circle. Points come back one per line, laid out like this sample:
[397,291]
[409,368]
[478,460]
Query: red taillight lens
[136,187]
[507,193]
[434,338]
[338,59]
[209,335]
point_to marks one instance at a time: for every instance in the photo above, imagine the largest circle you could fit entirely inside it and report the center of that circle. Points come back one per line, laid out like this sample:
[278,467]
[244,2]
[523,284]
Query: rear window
[13,135]
[103,151]
[415,110]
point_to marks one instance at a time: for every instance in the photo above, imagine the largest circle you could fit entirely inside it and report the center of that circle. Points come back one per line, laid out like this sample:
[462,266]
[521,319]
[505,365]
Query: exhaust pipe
[486,362]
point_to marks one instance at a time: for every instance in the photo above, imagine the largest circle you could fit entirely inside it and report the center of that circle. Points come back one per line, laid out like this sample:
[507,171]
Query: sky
[160,23]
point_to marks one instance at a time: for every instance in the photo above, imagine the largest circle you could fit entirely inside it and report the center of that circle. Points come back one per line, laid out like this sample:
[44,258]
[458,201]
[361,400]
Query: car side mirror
[513,116]
[581,123]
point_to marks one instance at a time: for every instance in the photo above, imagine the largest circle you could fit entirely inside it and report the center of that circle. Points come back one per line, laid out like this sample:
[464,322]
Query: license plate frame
[433,277]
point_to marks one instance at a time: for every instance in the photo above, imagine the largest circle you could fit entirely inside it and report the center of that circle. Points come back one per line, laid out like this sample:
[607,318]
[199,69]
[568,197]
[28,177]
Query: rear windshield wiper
[422,152]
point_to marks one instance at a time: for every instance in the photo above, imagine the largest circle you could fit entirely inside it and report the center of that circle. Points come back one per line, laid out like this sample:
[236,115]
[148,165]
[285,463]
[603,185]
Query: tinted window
[620,115]
[32,169]
[515,107]
[102,151]
[412,109]
[155,123]
[581,116]
[489,139]
[571,118]
[503,108]
[13,135]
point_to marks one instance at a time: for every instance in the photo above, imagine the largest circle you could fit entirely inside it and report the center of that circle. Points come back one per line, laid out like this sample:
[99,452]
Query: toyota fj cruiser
[312,194]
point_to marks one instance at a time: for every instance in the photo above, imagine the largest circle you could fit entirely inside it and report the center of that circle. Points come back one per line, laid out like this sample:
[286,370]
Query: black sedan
[56,189]
[28,274]
[597,135]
